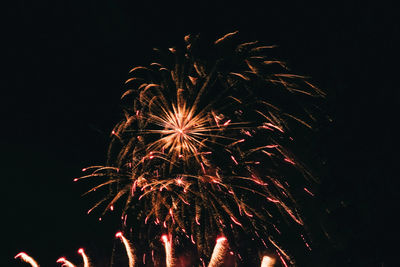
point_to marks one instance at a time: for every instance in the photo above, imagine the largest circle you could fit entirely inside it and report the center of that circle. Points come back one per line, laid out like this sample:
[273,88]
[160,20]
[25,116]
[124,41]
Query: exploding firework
[206,146]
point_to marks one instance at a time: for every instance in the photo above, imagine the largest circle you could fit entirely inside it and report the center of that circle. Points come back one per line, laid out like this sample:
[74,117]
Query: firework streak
[219,252]
[169,260]
[84,257]
[128,248]
[65,263]
[267,261]
[26,258]
[206,146]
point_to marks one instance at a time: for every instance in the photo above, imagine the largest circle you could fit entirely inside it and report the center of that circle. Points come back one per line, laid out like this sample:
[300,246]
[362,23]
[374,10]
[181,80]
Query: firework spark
[84,257]
[26,258]
[267,261]
[206,145]
[65,263]
[128,248]
[219,252]
[169,259]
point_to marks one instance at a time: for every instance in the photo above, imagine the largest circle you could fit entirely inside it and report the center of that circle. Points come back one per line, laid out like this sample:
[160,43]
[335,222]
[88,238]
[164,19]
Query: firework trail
[128,248]
[65,263]
[267,261]
[219,252]
[207,146]
[26,258]
[84,257]
[169,260]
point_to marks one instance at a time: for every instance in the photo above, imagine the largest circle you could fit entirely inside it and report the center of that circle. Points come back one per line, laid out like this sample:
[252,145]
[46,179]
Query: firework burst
[205,146]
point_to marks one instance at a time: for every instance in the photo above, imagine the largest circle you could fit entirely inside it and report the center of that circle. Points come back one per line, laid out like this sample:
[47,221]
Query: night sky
[64,65]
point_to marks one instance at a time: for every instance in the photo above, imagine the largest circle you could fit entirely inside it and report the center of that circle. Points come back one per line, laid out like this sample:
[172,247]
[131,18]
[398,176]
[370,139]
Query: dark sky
[65,64]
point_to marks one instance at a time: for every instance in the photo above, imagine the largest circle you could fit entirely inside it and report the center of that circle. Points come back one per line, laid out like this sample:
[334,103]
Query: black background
[64,65]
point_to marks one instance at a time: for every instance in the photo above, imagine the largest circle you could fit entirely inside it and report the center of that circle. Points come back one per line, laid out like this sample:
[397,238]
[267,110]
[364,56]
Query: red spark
[308,191]
[289,161]
[234,160]
[236,221]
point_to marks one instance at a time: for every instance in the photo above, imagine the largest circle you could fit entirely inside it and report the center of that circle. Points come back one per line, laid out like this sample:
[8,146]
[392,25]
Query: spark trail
[169,260]
[128,248]
[84,257]
[267,261]
[26,258]
[219,252]
[65,263]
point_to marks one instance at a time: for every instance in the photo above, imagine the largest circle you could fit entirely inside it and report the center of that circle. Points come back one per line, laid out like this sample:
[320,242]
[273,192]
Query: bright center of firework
[184,131]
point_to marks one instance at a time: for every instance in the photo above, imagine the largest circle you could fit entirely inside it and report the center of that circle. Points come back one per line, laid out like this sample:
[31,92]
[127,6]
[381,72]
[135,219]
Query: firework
[84,257]
[169,260]
[26,258]
[206,145]
[219,252]
[65,263]
[128,248]
[267,261]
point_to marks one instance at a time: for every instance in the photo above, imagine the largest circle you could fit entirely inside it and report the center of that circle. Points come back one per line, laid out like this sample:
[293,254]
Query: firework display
[206,147]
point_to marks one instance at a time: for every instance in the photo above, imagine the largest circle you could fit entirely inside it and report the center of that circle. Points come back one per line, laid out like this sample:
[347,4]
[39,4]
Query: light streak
[219,252]
[84,257]
[65,263]
[267,261]
[128,248]
[169,260]
[26,258]
[308,191]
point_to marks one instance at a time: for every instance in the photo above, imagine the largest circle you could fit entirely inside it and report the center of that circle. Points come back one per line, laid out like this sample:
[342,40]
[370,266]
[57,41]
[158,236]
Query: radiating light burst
[207,146]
